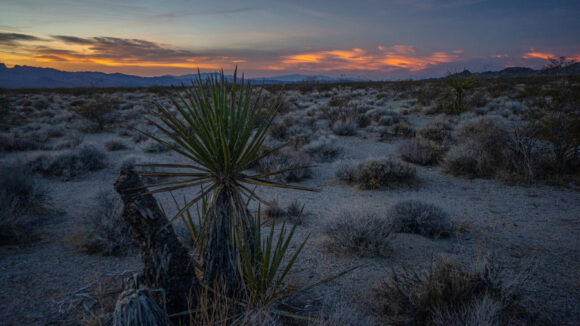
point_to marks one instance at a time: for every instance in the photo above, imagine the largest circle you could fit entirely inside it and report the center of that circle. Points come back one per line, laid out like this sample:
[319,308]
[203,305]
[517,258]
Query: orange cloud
[402,56]
[537,55]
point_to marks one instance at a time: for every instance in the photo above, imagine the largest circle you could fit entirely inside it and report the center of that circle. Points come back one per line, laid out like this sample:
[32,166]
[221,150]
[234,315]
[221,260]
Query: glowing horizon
[273,38]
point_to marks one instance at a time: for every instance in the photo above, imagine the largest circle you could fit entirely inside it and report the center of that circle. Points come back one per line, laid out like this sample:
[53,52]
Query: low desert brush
[413,216]
[364,234]
[21,200]
[448,293]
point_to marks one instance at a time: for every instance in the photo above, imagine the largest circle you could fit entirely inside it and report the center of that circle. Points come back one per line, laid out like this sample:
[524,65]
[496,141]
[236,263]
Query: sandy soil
[533,226]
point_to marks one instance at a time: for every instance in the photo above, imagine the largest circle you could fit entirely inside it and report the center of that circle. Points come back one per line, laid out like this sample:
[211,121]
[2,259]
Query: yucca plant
[219,126]
[460,85]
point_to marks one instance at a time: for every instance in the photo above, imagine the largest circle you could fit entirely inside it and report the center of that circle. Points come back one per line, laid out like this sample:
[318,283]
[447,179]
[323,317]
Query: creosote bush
[323,149]
[451,294]
[298,164]
[377,173]
[69,164]
[344,127]
[364,234]
[105,231]
[115,145]
[413,216]
[420,151]
[21,197]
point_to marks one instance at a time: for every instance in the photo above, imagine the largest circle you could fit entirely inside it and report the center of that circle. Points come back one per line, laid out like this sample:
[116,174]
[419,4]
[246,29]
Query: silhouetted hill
[513,72]
[34,77]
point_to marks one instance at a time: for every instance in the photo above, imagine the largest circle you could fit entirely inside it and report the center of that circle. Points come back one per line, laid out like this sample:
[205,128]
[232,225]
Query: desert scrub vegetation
[293,213]
[100,110]
[293,166]
[420,151]
[234,258]
[12,142]
[104,230]
[460,84]
[346,127]
[426,219]
[480,151]
[364,234]
[376,173]
[482,293]
[70,163]
[323,149]
[115,145]
[21,198]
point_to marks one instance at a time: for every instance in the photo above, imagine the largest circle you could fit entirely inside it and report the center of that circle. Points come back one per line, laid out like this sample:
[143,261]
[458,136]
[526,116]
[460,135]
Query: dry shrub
[420,151]
[338,100]
[364,234]
[402,128]
[152,146]
[115,145]
[386,118]
[345,127]
[438,131]
[11,142]
[105,231]
[481,150]
[298,162]
[101,111]
[376,173]
[450,294]
[21,197]
[323,149]
[278,131]
[385,173]
[413,216]
[69,164]
[292,213]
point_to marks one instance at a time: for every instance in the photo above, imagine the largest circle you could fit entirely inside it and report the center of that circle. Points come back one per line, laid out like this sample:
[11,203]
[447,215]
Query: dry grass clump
[481,150]
[420,151]
[364,234]
[298,162]
[20,197]
[388,118]
[438,131]
[346,127]
[69,164]
[450,294]
[278,131]
[414,216]
[10,142]
[101,111]
[376,173]
[115,145]
[151,146]
[323,149]
[105,232]
[292,213]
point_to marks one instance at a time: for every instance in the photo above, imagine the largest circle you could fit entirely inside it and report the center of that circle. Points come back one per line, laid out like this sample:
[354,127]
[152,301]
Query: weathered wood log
[167,264]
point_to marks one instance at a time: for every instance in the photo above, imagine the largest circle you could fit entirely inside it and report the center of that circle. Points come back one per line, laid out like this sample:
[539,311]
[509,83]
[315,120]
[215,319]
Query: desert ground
[404,183]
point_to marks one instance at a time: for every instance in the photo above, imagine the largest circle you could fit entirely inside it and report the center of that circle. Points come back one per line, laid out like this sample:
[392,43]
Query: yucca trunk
[167,264]
[226,214]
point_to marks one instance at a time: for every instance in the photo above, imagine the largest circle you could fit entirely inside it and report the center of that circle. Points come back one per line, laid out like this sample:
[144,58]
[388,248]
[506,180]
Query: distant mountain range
[34,77]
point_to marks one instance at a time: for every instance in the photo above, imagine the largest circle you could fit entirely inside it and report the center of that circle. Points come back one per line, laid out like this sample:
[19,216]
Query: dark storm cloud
[120,48]
[13,38]
[72,39]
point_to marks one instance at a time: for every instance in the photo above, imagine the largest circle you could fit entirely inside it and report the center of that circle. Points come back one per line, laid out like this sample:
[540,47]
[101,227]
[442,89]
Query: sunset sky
[388,39]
